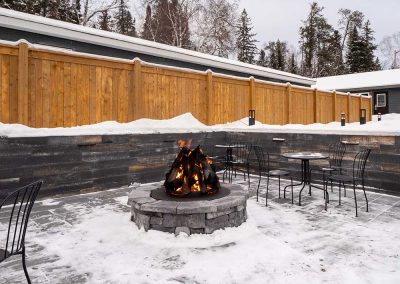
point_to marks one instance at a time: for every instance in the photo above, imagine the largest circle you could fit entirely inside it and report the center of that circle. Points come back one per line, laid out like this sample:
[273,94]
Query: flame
[181,143]
[196,185]
[179,175]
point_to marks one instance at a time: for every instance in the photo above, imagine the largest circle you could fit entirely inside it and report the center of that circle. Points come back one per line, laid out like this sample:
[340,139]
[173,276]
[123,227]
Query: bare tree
[389,48]
[92,8]
[214,27]
[348,20]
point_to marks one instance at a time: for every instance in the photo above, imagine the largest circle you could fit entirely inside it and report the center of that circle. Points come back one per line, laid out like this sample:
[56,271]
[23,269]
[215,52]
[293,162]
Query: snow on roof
[36,24]
[360,81]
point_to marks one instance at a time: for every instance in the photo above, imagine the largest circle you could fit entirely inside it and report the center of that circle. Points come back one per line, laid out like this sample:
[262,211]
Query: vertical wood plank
[137,104]
[32,81]
[348,114]
[289,103]
[23,96]
[316,107]
[73,94]
[67,119]
[209,101]
[334,106]
[5,89]
[92,95]
[46,71]
[13,75]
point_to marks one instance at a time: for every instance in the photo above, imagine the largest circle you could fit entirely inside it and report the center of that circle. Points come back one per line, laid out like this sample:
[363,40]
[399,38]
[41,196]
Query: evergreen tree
[104,21]
[369,47]
[262,59]
[245,42]
[277,54]
[124,23]
[292,64]
[161,24]
[147,25]
[355,52]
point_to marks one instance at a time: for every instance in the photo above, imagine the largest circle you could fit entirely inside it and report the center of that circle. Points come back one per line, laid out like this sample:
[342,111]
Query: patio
[90,239]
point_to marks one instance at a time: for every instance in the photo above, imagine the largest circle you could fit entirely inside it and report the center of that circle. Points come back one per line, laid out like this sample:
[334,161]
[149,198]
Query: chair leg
[340,193]
[24,266]
[366,199]
[279,186]
[326,199]
[266,194]
[258,187]
[355,197]
[291,183]
[344,189]
[323,182]
[248,174]
[331,186]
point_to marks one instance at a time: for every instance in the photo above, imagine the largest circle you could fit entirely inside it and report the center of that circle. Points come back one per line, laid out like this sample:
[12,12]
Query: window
[381,100]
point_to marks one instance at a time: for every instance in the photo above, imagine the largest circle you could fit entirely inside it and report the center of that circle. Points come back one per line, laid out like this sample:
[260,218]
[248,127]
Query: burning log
[191,172]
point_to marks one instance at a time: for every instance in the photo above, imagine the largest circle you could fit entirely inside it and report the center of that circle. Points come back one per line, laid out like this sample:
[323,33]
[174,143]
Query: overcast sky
[273,19]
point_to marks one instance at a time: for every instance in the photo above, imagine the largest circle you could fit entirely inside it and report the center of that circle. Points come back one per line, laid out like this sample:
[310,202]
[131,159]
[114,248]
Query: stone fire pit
[200,216]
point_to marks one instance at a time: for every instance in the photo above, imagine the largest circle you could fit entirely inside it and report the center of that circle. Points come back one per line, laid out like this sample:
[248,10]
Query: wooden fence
[45,87]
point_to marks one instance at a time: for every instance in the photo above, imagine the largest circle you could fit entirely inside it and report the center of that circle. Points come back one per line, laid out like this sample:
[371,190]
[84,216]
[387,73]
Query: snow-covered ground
[390,125]
[90,239]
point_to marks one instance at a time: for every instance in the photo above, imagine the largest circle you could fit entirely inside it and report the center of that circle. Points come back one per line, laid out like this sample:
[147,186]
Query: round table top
[230,146]
[305,156]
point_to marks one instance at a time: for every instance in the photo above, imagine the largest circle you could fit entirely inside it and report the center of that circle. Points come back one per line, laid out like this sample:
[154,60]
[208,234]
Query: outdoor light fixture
[343,119]
[379,116]
[252,117]
[363,115]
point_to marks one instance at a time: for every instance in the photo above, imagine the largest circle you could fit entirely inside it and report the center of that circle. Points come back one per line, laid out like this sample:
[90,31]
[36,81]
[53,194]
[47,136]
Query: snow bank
[390,125]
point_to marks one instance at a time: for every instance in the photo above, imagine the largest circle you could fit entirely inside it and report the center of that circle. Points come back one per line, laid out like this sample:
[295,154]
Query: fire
[191,172]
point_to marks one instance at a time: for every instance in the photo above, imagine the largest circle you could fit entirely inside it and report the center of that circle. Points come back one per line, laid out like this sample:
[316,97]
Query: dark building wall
[75,164]
[394,100]
[15,35]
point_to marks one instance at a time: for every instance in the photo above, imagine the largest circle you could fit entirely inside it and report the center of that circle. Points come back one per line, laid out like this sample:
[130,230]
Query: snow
[366,80]
[187,123]
[90,239]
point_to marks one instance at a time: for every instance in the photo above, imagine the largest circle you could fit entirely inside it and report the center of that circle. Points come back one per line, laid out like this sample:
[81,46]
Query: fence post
[138,102]
[23,73]
[360,106]
[210,105]
[289,103]
[252,92]
[334,105]
[348,107]
[316,106]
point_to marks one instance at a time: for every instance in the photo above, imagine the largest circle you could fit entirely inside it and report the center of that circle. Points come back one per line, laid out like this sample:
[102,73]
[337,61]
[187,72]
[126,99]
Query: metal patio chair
[356,178]
[18,205]
[336,154]
[264,170]
[240,159]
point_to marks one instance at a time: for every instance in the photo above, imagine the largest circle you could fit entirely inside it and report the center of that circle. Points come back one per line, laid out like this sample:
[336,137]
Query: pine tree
[262,59]
[161,24]
[355,52]
[292,64]
[124,23]
[147,25]
[104,21]
[245,42]
[369,48]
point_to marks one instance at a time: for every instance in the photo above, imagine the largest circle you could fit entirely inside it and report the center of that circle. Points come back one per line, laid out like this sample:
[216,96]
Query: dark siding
[394,100]
[14,35]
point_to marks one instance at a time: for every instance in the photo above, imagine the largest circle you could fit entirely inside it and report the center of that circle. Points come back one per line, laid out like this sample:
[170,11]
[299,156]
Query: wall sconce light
[379,116]
[252,117]
[343,119]
[363,116]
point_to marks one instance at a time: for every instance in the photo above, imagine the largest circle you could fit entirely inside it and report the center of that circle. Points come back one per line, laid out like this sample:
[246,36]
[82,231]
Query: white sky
[273,19]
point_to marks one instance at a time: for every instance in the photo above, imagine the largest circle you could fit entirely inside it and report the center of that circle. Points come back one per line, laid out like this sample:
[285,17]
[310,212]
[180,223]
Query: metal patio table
[305,158]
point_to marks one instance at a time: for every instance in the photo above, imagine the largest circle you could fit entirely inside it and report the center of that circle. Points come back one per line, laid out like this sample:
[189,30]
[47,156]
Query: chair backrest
[262,159]
[336,153]
[360,160]
[19,205]
[241,151]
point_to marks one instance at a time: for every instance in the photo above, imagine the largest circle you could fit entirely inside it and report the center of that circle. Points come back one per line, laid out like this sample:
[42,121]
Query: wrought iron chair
[239,160]
[19,204]
[336,154]
[356,178]
[264,170]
